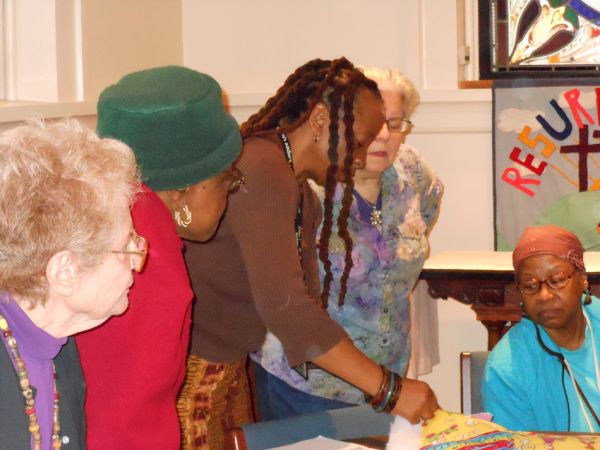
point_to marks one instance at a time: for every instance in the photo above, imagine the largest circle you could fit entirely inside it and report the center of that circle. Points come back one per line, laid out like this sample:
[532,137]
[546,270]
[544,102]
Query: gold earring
[188,217]
[315,138]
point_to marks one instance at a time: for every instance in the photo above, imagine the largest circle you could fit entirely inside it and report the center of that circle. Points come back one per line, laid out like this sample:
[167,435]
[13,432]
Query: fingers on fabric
[417,401]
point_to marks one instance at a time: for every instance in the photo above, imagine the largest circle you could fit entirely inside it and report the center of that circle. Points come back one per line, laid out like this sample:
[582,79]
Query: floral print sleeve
[428,185]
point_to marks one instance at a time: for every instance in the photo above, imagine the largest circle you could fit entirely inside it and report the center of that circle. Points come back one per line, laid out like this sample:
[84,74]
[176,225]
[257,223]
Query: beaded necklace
[34,426]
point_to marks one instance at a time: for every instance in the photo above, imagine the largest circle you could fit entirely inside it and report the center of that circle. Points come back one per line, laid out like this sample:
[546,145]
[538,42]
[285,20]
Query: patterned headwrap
[549,240]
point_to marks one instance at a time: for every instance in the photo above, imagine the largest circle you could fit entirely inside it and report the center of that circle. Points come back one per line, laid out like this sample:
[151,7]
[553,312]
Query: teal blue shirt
[522,385]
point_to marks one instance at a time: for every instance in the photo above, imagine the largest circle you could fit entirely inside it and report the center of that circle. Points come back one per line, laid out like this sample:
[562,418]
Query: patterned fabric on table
[212,391]
[387,263]
[453,431]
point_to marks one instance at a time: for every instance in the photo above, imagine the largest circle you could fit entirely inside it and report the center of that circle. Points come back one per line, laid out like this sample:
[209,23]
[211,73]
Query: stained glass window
[539,38]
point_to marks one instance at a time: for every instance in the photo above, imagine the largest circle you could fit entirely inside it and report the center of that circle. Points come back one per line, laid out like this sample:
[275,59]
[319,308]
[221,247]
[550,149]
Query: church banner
[546,158]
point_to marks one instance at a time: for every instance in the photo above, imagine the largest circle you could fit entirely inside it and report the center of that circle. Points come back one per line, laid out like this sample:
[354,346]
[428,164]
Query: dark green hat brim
[173,120]
[223,156]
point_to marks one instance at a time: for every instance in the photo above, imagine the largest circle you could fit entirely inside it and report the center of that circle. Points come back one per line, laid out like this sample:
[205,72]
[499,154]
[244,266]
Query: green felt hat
[173,120]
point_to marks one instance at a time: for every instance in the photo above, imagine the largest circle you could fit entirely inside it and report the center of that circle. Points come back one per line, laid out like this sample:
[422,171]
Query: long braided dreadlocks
[335,83]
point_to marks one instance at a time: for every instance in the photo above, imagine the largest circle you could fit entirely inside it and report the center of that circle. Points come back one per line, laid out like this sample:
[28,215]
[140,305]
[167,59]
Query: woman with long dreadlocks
[260,271]
[396,202]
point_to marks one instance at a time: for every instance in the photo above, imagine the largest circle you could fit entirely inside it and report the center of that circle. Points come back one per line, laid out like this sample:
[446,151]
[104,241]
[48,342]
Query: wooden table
[486,281]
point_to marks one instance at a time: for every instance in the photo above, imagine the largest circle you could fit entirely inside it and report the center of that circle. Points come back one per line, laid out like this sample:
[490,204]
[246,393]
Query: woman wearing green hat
[185,145]
[260,270]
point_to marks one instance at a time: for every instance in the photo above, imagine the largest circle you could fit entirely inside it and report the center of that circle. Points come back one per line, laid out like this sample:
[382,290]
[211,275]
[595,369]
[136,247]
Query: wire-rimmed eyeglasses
[234,181]
[137,249]
[399,125]
[554,282]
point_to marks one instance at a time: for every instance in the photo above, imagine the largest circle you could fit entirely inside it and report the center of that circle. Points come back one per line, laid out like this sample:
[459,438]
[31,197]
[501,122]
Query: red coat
[134,364]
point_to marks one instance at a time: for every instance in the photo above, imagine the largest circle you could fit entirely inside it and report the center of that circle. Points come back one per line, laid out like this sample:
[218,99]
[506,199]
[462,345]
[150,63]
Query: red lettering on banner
[518,181]
[572,98]
[528,162]
[598,103]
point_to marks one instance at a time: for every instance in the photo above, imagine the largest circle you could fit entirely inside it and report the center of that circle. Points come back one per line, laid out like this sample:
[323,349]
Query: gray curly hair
[61,188]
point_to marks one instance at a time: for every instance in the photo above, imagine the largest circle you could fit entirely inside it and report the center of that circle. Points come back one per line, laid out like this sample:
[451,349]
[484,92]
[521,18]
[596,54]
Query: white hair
[61,188]
[395,81]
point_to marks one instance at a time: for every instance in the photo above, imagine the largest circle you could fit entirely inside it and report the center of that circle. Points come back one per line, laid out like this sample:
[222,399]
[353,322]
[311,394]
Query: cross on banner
[583,149]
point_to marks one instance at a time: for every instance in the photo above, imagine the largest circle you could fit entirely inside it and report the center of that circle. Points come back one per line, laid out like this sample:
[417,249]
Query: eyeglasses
[399,125]
[554,283]
[137,249]
[235,180]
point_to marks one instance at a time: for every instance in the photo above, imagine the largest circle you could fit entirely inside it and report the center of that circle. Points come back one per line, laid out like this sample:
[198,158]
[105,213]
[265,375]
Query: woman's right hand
[416,402]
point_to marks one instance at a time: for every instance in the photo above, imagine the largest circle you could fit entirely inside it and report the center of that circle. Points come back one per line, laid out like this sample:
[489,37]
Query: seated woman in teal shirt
[544,374]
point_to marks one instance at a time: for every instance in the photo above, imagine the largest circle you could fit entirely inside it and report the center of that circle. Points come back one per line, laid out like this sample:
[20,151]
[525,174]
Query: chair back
[471,373]
[345,423]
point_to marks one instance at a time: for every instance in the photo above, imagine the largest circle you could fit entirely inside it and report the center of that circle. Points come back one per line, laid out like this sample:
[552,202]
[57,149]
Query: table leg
[495,329]
[495,318]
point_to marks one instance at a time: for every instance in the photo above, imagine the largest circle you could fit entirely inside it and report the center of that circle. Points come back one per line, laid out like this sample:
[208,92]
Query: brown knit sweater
[248,277]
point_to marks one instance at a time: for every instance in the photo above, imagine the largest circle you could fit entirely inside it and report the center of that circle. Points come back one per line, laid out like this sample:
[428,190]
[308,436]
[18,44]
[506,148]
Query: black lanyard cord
[566,398]
[302,369]
[561,358]
[287,152]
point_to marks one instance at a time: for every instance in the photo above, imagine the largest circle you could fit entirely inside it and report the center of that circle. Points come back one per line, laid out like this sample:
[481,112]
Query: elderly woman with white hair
[395,204]
[67,252]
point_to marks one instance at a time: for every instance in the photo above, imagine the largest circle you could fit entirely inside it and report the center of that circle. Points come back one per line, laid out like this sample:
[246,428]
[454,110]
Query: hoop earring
[188,217]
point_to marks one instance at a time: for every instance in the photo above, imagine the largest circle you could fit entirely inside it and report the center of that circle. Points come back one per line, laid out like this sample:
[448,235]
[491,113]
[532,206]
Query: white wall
[250,47]
[260,42]
[29,25]
[69,50]
[63,53]
[122,36]
[463,162]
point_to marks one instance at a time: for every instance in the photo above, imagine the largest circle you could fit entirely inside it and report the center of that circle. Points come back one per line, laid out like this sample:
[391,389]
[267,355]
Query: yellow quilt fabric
[454,431]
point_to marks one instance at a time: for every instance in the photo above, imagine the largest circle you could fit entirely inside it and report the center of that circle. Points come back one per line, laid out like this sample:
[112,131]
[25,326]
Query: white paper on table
[404,435]
[321,443]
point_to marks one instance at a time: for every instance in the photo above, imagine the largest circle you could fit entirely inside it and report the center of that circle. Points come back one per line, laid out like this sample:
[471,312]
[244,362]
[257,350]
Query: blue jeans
[277,400]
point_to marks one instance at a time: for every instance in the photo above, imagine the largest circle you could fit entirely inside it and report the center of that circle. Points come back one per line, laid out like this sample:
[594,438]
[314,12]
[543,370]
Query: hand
[417,401]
